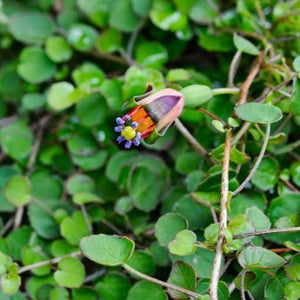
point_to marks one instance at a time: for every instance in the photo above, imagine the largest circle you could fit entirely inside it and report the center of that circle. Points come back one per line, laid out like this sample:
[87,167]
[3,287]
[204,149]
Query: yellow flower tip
[128,133]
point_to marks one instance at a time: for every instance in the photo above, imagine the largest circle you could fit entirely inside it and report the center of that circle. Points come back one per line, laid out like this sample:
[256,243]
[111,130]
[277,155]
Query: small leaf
[196,95]
[86,197]
[10,283]
[296,64]
[142,262]
[73,228]
[259,220]
[146,290]
[258,113]
[58,49]
[70,273]
[295,105]
[182,275]
[59,96]
[108,250]
[244,45]
[184,243]
[258,257]
[18,190]
[218,125]
[168,226]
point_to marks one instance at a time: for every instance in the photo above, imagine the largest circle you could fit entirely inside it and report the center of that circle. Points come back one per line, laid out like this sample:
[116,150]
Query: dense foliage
[210,210]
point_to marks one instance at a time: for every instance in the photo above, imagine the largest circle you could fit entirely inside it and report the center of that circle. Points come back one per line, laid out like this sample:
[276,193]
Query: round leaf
[196,95]
[108,250]
[147,291]
[258,113]
[70,273]
[258,257]
[60,95]
[58,49]
[184,243]
[244,45]
[18,190]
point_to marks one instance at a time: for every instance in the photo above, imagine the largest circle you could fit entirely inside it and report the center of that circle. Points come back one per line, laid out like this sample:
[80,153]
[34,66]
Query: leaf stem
[213,288]
[257,163]
[266,231]
[48,262]
[193,142]
[222,91]
[160,282]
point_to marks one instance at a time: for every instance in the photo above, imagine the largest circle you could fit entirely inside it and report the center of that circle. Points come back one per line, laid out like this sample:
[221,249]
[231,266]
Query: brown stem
[251,76]
[233,68]
[266,231]
[211,115]
[213,288]
[290,186]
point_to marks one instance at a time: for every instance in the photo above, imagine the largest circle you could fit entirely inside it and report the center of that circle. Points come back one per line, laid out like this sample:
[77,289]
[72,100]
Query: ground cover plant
[149,149]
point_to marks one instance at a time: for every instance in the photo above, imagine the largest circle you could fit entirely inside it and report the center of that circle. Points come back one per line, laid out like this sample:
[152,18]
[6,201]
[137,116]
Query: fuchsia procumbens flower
[150,117]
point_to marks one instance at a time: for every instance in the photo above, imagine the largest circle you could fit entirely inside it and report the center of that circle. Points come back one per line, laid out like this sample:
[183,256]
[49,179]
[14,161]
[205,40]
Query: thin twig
[6,227]
[48,262]
[243,285]
[288,148]
[8,120]
[86,219]
[112,226]
[18,217]
[233,68]
[213,214]
[290,186]
[211,115]
[95,275]
[228,262]
[275,88]
[134,36]
[213,288]
[257,163]
[159,282]
[193,142]
[266,231]
[251,76]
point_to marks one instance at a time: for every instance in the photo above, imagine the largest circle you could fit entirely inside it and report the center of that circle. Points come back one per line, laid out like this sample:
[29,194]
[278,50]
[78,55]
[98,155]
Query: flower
[150,117]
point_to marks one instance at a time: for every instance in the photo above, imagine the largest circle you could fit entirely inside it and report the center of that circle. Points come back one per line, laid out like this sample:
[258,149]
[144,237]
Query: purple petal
[138,136]
[120,139]
[136,141]
[134,125]
[128,144]
[127,118]
[118,128]
[120,121]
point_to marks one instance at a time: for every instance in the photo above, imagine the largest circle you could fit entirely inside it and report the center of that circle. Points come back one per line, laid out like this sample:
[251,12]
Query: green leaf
[80,183]
[122,16]
[35,66]
[244,45]
[235,155]
[145,188]
[182,275]
[31,27]
[58,49]
[258,113]
[202,261]
[16,140]
[108,250]
[187,162]
[18,190]
[295,172]
[292,290]
[168,226]
[258,257]
[274,289]
[151,54]
[74,228]
[203,287]
[202,11]
[209,198]
[33,101]
[184,243]
[60,95]
[86,197]
[146,290]
[266,175]
[196,95]
[113,286]
[110,40]
[142,262]
[82,37]
[259,220]
[70,273]
[211,233]
[175,75]
[59,294]
[296,64]
[97,10]
[10,283]
[295,105]
[141,8]
[5,260]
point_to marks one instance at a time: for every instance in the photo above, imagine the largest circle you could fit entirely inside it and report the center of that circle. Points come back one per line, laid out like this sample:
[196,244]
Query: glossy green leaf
[60,95]
[58,49]
[17,190]
[184,243]
[196,95]
[244,45]
[258,113]
[258,257]
[70,273]
[146,290]
[108,250]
